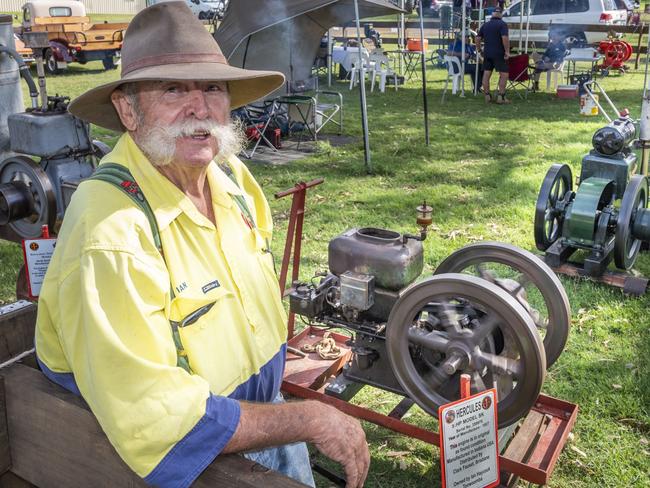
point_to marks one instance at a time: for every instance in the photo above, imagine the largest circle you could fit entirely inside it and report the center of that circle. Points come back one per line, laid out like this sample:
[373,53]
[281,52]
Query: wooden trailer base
[630,284]
[528,450]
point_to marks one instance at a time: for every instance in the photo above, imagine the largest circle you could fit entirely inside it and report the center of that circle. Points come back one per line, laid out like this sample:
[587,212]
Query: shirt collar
[166,200]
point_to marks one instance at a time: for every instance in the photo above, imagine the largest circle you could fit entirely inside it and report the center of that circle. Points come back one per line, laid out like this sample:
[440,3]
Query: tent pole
[329,57]
[424,77]
[644,119]
[362,94]
[521,23]
[400,38]
[480,22]
[527,24]
[463,31]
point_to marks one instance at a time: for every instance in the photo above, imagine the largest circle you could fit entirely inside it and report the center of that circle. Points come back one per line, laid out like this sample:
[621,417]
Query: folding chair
[311,112]
[256,120]
[519,74]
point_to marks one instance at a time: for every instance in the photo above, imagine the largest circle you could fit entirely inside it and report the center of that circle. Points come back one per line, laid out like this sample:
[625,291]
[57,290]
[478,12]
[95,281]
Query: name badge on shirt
[211,286]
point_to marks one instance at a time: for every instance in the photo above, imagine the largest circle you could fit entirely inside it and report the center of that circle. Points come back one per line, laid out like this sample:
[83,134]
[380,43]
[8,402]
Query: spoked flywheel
[528,279]
[451,324]
[635,198]
[549,213]
[39,191]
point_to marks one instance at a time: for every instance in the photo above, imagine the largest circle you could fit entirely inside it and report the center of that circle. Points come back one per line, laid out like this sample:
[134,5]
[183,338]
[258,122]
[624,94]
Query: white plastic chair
[381,68]
[355,70]
[455,72]
[554,73]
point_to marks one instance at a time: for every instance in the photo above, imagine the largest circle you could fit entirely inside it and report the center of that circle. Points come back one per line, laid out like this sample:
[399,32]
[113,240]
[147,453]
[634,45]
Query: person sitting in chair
[469,57]
[552,58]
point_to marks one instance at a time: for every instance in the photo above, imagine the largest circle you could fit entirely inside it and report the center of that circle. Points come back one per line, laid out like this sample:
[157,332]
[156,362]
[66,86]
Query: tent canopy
[284,35]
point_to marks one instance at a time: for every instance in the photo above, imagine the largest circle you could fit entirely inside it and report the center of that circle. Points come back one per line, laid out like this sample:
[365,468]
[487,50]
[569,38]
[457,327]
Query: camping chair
[455,72]
[311,112]
[519,74]
[381,68]
[256,119]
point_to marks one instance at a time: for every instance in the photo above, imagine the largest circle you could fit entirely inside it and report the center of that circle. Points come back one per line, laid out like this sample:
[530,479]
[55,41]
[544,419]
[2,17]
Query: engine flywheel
[525,277]
[451,324]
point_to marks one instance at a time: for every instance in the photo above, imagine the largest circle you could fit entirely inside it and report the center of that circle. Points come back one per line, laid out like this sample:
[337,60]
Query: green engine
[606,215]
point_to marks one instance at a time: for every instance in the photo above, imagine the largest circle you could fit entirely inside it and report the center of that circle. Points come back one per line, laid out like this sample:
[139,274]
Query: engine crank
[453,323]
[525,277]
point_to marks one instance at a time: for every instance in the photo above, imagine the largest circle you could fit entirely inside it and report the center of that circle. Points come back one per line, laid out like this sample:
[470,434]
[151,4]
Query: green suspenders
[120,177]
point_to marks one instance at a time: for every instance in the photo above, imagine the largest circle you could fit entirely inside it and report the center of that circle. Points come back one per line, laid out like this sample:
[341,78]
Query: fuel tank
[381,253]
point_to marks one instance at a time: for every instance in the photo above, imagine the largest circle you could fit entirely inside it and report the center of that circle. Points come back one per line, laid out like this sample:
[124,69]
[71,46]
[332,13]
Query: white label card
[38,253]
[469,452]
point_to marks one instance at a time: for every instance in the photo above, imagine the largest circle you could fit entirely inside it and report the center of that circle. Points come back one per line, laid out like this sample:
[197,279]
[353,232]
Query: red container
[415,45]
[567,91]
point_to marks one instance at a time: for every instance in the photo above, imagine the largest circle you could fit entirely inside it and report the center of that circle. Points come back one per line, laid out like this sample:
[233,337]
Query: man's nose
[196,104]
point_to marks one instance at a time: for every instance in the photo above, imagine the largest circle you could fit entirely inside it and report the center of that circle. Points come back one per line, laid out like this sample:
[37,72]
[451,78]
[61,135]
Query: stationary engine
[483,313]
[34,194]
[606,215]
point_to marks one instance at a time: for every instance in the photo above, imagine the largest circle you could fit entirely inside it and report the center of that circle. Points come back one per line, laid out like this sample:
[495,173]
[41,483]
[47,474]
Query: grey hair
[130,91]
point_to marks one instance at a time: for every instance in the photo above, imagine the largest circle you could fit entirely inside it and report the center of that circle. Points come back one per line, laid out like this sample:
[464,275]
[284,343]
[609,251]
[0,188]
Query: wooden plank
[519,446]
[5,455]
[60,20]
[17,323]
[56,441]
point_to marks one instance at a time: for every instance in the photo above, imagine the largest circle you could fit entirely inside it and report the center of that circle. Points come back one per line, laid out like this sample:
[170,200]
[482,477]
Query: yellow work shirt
[103,327]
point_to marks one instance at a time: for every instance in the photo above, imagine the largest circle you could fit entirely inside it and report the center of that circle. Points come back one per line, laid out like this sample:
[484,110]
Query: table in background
[411,59]
[587,55]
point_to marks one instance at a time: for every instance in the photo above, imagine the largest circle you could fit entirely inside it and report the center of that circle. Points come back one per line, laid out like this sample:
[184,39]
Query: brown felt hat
[167,42]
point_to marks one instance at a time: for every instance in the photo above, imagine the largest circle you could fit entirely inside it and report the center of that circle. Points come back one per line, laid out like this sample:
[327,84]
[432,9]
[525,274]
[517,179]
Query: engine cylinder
[11,97]
[384,254]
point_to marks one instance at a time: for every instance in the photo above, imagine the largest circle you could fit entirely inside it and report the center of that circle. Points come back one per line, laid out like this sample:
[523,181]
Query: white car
[207,9]
[562,16]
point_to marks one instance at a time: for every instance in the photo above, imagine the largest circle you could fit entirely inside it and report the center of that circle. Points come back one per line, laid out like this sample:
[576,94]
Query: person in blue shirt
[494,34]
[552,58]
[456,48]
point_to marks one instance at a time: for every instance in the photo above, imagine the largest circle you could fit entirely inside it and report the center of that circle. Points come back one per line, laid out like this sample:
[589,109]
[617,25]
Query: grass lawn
[481,173]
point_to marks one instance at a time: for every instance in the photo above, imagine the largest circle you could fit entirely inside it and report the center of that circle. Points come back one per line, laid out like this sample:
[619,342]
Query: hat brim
[245,86]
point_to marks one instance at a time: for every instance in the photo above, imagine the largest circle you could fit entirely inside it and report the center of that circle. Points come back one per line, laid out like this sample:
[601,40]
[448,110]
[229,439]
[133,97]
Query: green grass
[481,173]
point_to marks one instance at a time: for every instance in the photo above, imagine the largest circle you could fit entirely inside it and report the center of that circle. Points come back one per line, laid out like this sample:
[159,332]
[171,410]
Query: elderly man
[494,34]
[160,306]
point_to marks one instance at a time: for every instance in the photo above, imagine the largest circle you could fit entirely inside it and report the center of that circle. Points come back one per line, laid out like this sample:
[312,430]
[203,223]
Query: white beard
[159,143]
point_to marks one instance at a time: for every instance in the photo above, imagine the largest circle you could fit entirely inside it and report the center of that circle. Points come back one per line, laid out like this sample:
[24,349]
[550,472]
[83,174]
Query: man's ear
[125,110]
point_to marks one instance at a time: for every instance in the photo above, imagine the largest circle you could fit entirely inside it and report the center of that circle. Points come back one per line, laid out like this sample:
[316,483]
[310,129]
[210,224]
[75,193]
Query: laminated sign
[37,253]
[469,452]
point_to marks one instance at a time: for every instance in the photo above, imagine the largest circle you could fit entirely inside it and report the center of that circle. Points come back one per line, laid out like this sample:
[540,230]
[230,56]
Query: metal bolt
[452,363]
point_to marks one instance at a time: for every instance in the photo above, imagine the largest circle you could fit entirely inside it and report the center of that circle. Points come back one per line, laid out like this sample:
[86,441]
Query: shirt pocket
[217,343]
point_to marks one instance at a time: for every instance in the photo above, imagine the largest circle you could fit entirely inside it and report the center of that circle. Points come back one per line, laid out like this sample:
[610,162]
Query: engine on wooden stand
[491,310]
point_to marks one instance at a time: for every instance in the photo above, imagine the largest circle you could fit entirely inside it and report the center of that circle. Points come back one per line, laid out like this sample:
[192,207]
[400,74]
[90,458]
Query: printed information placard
[37,253]
[469,451]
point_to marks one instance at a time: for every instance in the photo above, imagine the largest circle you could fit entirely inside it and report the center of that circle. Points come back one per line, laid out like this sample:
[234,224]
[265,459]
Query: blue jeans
[292,460]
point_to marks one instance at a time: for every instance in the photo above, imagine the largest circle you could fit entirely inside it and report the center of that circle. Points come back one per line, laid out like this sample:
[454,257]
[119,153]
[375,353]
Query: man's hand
[341,438]
[335,434]
[506,56]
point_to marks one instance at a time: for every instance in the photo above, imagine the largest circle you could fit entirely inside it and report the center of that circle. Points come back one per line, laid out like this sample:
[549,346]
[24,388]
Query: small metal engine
[34,194]
[415,337]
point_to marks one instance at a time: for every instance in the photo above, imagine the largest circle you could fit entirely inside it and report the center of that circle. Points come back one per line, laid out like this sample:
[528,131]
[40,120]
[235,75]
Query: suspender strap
[239,199]
[120,177]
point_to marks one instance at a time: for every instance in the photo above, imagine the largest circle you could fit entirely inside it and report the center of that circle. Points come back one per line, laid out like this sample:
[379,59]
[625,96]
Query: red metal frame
[294,236]
[544,453]
[307,377]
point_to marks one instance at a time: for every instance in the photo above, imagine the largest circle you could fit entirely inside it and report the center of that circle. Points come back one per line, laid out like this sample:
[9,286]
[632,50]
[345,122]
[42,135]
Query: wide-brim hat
[167,42]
